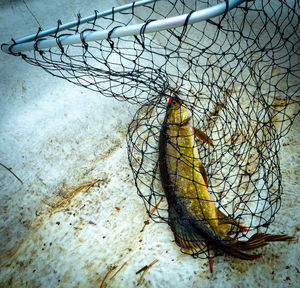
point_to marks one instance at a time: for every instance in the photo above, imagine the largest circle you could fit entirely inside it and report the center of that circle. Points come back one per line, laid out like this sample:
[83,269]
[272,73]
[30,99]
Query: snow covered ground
[56,137]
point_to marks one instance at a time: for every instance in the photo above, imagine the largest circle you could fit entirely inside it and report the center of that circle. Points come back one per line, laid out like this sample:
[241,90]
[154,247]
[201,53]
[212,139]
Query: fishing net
[239,73]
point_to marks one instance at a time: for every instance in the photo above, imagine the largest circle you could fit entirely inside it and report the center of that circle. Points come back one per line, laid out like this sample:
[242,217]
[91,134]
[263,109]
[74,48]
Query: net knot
[142,33]
[11,46]
[60,46]
[186,22]
[226,10]
[95,18]
[57,37]
[111,42]
[132,7]
[78,22]
[113,14]
[58,27]
[219,26]
[82,38]
[37,33]
[37,41]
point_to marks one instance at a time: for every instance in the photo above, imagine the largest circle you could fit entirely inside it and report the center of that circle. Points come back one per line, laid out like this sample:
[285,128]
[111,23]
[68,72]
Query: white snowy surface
[56,137]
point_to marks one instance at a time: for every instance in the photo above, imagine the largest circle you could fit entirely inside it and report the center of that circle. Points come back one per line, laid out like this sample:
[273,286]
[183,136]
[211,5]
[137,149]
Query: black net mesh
[239,75]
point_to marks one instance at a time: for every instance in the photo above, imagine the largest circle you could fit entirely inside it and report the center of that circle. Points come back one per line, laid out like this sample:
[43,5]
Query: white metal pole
[154,26]
[81,21]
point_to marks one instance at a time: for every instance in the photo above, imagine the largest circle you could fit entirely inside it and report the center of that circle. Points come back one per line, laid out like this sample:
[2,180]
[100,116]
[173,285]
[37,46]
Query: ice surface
[56,137]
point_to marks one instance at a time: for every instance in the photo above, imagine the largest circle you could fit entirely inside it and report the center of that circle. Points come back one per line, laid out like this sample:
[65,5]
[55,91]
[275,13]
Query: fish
[194,218]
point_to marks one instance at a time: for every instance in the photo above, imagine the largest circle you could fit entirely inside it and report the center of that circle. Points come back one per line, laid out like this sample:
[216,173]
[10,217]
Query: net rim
[15,47]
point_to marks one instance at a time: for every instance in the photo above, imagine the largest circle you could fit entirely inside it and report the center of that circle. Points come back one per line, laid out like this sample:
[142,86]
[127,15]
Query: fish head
[178,113]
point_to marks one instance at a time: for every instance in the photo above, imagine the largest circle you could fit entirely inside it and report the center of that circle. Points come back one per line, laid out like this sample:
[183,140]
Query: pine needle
[155,207]
[118,270]
[152,263]
[89,185]
[111,269]
[9,169]
[142,269]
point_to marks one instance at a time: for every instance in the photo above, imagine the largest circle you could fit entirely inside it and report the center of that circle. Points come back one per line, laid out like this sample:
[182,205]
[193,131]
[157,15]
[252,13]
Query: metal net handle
[25,43]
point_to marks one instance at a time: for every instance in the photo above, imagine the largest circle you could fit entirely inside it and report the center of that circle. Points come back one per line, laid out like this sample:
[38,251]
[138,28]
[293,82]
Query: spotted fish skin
[193,216]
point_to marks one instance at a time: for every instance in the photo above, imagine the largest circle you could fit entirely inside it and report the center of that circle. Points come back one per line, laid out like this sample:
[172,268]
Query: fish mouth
[180,101]
[175,99]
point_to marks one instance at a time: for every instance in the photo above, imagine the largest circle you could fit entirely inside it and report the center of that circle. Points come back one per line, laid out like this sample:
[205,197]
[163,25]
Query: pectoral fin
[202,136]
[203,173]
[224,219]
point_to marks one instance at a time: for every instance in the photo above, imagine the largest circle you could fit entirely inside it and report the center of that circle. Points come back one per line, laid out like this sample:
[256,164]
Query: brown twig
[89,185]
[152,263]
[155,207]
[147,222]
[142,269]
[111,269]
[210,262]
[118,270]
[9,169]
[151,213]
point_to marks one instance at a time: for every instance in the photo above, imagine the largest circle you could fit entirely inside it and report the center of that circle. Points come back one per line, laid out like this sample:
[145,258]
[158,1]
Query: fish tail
[256,241]
[239,254]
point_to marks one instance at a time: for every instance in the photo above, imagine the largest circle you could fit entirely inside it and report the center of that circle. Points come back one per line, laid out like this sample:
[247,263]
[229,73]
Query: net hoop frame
[25,44]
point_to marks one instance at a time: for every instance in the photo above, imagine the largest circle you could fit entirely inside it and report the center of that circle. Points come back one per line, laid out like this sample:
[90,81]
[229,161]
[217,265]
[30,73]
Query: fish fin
[260,240]
[239,254]
[256,241]
[224,219]
[186,236]
[202,136]
[203,173]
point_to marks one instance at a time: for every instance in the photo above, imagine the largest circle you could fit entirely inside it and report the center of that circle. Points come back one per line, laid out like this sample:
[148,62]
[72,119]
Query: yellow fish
[193,217]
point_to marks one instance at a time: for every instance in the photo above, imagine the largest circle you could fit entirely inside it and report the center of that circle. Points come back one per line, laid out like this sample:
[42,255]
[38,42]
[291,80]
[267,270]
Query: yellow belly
[184,171]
